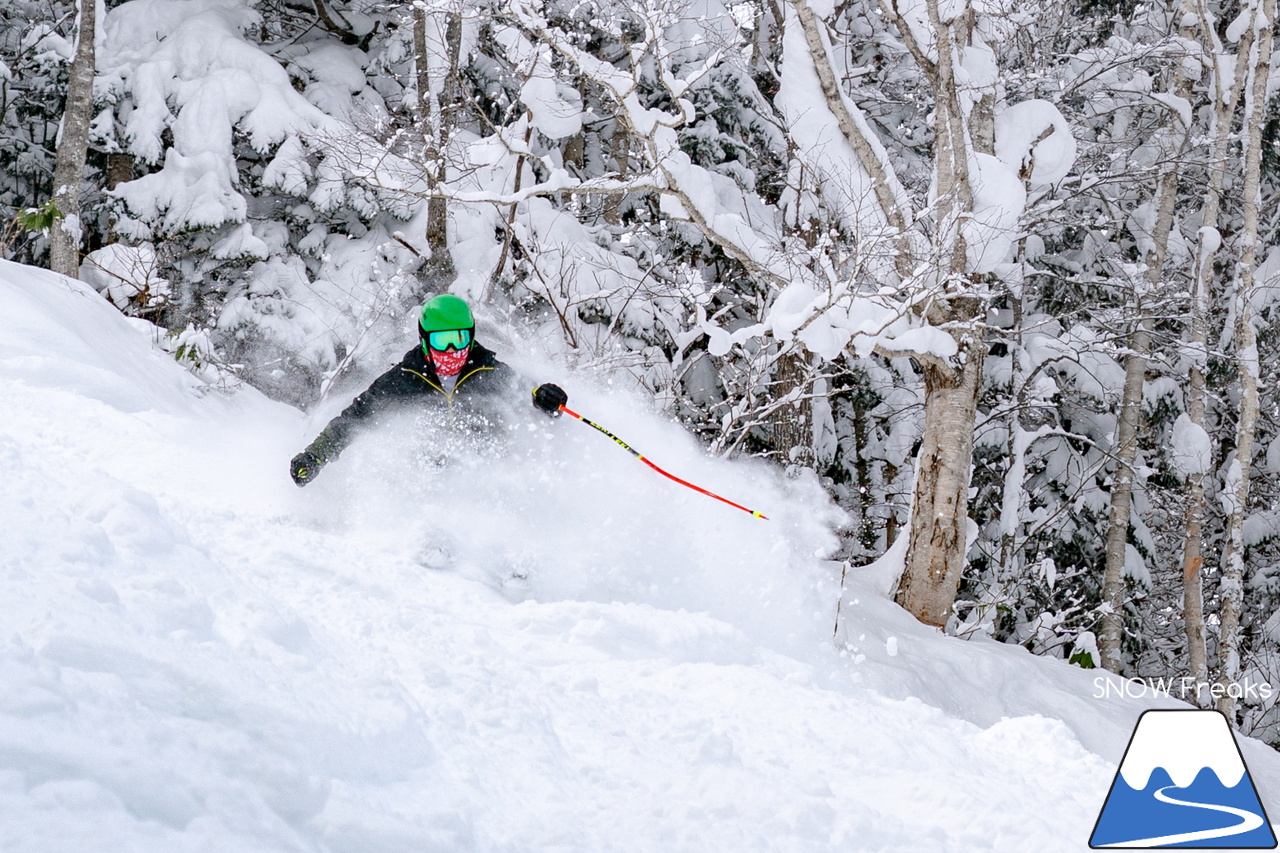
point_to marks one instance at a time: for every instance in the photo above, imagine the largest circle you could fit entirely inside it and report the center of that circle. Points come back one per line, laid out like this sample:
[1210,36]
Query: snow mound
[58,333]
[538,645]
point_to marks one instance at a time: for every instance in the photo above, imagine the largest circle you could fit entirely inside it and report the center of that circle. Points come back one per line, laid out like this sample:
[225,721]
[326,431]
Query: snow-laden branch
[889,193]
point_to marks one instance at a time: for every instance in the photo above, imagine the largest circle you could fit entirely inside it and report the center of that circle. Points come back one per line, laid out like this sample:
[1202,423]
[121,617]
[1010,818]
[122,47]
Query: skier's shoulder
[399,378]
[413,360]
[483,357]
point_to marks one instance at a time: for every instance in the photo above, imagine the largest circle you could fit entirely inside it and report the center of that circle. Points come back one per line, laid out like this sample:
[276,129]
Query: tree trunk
[1224,106]
[620,148]
[862,470]
[422,68]
[1111,634]
[951,147]
[936,550]
[1193,545]
[73,148]
[792,425]
[940,507]
[1246,347]
[119,169]
[1110,637]
[437,112]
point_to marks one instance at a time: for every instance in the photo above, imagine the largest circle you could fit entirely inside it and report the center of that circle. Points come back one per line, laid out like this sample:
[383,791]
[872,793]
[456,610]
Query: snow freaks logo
[1184,688]
[1183,783]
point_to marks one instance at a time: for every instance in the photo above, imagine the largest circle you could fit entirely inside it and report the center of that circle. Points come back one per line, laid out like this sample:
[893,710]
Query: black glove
[550,398]
[304,467]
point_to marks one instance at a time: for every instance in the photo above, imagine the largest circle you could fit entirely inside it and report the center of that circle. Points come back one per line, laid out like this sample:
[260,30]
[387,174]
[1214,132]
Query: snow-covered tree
[987,272]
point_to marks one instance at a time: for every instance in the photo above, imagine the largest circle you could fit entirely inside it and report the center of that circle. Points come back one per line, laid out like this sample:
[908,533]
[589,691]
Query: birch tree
[1225,81]
[1145,290]
[939,520]
[73,148]
[437,45]
[1262,15]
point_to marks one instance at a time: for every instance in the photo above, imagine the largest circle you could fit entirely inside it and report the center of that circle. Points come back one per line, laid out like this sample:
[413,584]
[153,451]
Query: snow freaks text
[1185,687]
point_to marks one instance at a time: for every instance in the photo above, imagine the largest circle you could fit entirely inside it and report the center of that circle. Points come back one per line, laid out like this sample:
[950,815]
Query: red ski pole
[637,455]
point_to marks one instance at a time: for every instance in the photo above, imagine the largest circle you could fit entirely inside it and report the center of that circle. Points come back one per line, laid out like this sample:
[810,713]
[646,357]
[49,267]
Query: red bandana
[449,363]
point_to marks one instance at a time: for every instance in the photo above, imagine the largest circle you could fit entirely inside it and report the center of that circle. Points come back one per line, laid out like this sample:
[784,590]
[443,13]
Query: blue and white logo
[1183,783]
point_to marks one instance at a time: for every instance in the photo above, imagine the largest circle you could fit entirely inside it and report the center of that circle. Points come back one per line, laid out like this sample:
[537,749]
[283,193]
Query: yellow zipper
[448,395]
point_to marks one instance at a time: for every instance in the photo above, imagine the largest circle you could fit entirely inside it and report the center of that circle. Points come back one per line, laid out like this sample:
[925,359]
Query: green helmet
[443,313]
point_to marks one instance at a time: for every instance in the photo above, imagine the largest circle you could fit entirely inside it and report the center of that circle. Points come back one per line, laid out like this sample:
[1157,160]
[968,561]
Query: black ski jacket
[414,380]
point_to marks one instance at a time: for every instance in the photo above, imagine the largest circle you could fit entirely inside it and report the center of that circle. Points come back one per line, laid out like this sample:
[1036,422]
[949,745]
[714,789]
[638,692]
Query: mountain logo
[1183,783]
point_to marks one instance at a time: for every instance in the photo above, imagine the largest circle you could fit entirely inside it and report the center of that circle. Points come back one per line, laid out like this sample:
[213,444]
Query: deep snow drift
[524,642]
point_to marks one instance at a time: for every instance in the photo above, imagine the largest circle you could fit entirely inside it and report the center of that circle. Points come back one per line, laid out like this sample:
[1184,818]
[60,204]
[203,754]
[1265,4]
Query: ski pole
[637,455]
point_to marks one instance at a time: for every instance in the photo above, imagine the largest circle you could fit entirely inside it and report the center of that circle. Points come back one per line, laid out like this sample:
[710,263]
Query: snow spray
[637,455]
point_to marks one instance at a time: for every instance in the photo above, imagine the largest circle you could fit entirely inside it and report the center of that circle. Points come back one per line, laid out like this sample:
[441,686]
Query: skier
[450,370]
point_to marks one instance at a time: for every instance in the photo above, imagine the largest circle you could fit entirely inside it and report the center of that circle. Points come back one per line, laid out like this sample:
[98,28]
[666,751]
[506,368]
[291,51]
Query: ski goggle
[459,339]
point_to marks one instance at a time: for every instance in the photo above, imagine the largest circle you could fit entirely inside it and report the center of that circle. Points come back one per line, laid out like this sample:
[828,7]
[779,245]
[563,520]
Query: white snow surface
[540,647]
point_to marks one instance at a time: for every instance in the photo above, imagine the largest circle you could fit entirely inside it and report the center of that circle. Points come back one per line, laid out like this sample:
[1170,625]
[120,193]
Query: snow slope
[553,649]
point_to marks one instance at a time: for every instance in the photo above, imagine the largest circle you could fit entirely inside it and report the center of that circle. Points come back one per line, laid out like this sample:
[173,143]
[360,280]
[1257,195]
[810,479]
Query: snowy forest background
[1014,265]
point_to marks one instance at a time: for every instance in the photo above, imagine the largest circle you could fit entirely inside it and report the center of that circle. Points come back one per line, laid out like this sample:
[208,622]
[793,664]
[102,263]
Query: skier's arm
[340,431]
